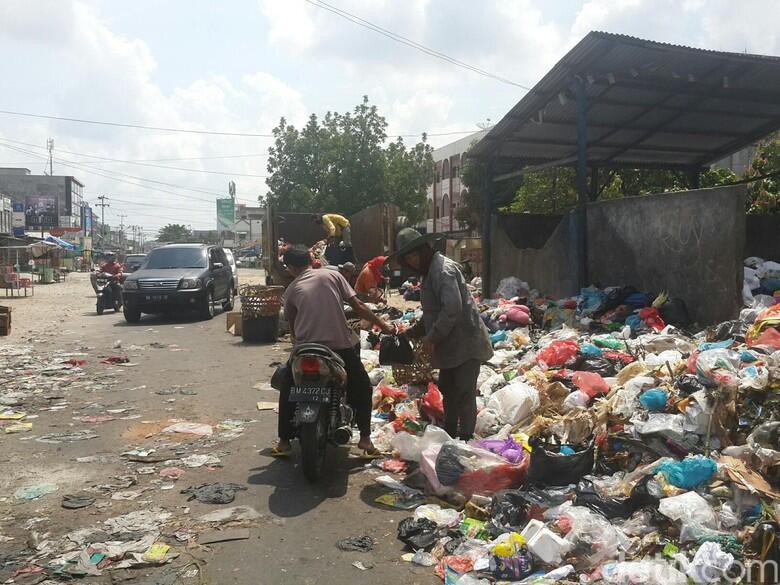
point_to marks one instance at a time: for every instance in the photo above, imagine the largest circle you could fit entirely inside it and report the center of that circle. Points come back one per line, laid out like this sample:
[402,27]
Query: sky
[238,66]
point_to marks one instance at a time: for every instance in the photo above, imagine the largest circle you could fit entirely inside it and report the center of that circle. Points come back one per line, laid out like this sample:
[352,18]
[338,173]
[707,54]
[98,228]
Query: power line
[409,42]
[137,126]
[216,132]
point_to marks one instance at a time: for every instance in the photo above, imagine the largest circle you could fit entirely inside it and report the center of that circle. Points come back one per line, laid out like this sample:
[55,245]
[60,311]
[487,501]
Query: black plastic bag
[419,533]
[731,330]
[508,509]
[675,312]
[610,508]
[596,364]
[688,384]
[448,467]
[552,468]
[395,350]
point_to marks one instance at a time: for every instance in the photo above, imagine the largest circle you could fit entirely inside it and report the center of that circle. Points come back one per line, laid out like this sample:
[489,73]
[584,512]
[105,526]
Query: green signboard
[226,217]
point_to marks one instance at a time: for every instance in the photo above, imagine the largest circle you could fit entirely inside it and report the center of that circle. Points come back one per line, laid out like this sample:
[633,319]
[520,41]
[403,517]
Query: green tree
[174,232]
[343,164]
[764,194]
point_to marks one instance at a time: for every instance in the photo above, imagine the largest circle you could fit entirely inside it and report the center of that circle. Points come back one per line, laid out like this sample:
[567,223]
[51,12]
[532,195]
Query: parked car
[233,266]
[133,262]
[184,277]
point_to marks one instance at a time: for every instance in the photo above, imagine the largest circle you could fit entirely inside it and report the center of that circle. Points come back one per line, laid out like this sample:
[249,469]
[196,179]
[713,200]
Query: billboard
[226,215]
[18,219]
[86,220]
[40,212]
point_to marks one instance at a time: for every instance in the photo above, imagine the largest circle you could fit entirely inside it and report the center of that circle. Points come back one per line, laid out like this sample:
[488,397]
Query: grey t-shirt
[314,301]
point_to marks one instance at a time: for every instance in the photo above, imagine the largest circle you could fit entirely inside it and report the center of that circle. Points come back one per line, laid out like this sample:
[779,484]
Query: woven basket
[260,301]
[419,372]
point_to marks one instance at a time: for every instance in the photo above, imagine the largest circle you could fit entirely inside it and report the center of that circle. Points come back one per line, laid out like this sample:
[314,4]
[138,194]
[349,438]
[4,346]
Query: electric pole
[103,206]
[50,148]
[122,217]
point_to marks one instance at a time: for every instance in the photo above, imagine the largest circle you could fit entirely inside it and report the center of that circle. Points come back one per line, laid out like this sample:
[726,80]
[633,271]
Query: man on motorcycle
[110,266]
[314,307]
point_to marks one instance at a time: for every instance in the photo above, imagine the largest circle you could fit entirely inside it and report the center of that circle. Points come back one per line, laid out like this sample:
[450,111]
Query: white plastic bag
[515,403]
[435,513]
[646,572]
[511,287]
[488,422]
[709,564]
[688,507]
[407,445]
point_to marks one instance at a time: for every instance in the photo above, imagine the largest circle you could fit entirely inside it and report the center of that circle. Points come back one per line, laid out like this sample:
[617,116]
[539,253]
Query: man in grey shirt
[451,329]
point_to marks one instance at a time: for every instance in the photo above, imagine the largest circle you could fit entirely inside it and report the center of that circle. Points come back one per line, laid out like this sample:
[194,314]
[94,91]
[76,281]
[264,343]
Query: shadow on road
[293,495]
[165,319]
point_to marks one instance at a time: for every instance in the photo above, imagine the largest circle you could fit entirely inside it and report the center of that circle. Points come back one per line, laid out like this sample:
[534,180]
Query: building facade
[50,201]
[446,192]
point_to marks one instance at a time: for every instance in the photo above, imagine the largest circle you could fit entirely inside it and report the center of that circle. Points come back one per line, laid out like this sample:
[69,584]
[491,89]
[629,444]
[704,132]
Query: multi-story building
[446,192]
[6,215]
[249,223]
[50,201]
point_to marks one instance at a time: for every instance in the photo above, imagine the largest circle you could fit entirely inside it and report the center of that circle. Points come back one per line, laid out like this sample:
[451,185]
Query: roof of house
[649,104]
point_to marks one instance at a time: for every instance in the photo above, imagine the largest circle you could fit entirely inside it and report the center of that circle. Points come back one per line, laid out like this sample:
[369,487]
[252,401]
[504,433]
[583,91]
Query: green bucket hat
[409,239]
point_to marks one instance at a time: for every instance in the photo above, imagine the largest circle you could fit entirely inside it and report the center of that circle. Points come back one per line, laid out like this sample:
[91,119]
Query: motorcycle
[322,415]
[109,294]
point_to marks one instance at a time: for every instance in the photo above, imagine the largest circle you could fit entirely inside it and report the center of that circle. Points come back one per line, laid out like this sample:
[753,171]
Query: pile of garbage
[612,444]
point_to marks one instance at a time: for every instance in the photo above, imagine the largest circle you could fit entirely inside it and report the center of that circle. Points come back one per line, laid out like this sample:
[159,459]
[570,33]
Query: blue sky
[239,65]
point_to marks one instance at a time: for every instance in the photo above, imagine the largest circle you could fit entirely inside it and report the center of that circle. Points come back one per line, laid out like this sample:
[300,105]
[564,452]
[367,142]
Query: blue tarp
[60,242]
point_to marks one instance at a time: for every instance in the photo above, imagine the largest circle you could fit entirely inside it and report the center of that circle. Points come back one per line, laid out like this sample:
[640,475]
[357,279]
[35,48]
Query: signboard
[225,214]
[18,219]
[87,221]
[86,243]
[40,212]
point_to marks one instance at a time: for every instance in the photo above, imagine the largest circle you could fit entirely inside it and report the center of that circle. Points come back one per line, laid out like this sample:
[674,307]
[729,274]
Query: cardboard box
[233,322]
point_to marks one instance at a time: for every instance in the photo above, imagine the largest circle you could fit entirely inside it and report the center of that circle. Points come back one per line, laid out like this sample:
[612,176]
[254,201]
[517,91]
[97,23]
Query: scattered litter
[363,566]
[77,501]
[70,437]
[190,428]
[20,427]
[33,492]
[173,473]
[213,493]
[231,514]
[116,359]
[268,406]
[356,543]
[197,460]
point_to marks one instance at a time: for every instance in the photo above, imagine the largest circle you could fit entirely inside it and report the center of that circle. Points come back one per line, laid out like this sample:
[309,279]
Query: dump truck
[373,234]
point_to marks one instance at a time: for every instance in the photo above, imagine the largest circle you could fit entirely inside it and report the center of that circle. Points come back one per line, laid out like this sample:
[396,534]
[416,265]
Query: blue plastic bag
[498,336]
[590,349]
[654,399]
[689,472]
[725,344]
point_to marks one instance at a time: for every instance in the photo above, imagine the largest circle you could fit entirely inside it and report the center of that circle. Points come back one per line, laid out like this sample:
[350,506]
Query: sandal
[370,454]
[277,452]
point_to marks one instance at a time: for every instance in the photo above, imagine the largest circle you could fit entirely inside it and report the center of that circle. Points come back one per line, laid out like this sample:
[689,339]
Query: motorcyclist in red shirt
[110,266]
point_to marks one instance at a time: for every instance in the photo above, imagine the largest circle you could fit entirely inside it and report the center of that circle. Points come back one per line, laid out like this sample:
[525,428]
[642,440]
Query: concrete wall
[690,244]
[762,236]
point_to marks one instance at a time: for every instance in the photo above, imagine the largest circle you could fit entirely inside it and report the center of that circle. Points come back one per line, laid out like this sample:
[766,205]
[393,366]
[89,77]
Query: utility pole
[50,147]
[103,206]
[122,217]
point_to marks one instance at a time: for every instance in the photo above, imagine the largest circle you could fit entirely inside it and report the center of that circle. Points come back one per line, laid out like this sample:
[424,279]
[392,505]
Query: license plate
[156,297]
[304,394]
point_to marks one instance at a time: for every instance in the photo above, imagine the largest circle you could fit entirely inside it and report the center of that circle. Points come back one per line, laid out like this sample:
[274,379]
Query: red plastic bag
[691,368]
[461,565]
[432,404]
[770,337]
[652,318]
[395,394]
[590,383]
[489,480]
[406,422]
[559,352]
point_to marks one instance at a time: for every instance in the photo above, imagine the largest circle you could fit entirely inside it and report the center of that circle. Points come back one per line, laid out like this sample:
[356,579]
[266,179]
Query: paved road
[294,541]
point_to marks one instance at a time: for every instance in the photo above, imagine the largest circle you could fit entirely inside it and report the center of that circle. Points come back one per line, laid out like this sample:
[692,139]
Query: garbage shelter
[620,102]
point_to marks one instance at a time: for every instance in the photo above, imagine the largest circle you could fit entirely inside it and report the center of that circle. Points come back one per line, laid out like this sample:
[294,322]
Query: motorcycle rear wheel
[99,306]
[314,440]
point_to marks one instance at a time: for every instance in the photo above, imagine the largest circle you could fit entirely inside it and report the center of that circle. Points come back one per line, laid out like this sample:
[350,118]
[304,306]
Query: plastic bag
[593,532]
[596,364]
[553,468]
[511,287]
[718,367]
[689,472]
[428,468]
[506,448]
[514,403]
[432,404]
[689,507]
[471,470]
[418,533]
[575,400]
[590,383]
[667,424]
[558,353]
[654,399]
[407,445]
[646,572]
[675,312]
[488,422]
[395,350]
[519,314]
[508,509]
[441,516]
[709,564]
[613,507]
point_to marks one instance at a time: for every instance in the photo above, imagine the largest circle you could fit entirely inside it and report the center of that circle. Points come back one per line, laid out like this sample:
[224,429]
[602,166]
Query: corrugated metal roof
[649,104]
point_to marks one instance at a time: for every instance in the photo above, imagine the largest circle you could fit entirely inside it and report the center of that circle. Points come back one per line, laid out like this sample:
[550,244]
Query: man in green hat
[451,328]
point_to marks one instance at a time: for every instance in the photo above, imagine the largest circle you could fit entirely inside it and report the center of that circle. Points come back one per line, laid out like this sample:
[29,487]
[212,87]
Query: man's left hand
[389,328]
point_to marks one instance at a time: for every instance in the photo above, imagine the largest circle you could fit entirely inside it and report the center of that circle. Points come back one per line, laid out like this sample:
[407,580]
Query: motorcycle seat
[318,350]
